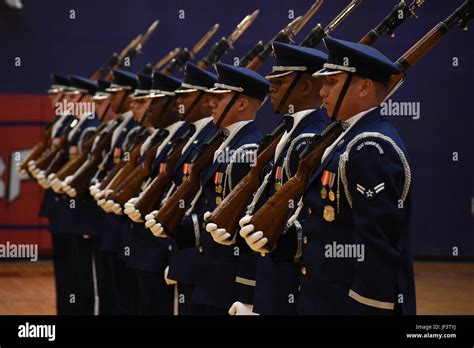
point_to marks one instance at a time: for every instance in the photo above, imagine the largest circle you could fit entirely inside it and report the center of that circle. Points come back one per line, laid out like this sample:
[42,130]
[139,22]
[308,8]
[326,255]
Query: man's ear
[242,104]
[307,87]
[366,86]
[206,100]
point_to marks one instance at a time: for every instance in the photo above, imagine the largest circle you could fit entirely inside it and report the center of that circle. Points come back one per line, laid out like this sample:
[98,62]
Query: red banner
[22,120]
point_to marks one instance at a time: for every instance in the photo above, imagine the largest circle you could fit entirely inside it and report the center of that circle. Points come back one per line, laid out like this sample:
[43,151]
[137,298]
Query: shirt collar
[350,122]
[298,116]
[174,126]
[201,123]
[232,129]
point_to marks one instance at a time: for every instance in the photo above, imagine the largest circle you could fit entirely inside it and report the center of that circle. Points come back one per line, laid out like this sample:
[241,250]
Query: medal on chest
[162,167]
[327,193]
[278,178]
[186,171]
[327,181]
[218,176]
[117,153]
[73,151]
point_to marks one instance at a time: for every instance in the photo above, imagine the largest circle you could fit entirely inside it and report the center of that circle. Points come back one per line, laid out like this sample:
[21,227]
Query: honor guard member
[76,263]
[106,277]
[357,256]
[194,101]
[240,92]
[48,209]
[145,257]
[123,84]
[293,90]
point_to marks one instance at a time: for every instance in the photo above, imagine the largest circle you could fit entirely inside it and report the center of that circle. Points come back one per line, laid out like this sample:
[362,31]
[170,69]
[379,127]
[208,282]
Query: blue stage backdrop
[438,131]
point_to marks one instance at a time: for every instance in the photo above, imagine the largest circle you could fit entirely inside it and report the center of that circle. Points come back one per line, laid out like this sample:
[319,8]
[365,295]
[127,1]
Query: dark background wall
[47,40]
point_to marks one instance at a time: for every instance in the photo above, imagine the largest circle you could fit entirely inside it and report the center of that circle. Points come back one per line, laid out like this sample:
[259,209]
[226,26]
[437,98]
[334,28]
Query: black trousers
[155,297]
[73,271]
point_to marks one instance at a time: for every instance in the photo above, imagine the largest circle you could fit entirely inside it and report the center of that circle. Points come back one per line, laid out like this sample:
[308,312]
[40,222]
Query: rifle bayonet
[201,43]
[307,16]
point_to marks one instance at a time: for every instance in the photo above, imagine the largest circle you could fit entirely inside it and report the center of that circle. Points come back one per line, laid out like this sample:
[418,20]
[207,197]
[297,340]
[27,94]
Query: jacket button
[200,249]
[305,240]
[303,270]
[170,247]
[310,211]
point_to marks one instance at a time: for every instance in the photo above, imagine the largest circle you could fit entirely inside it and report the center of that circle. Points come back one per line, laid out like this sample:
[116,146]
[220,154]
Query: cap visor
[278,74]
[326,72]
[185,90]
[218,90]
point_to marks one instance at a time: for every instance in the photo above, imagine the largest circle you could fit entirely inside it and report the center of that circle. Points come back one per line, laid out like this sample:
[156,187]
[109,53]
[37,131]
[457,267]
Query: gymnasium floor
[442,288]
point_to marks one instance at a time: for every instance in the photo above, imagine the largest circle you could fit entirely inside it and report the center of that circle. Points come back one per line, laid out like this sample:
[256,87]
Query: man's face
[139,107]
[56,97]
[278,90]
[101,106]
[184,102]
[116,99]
[330,92]
[218,103]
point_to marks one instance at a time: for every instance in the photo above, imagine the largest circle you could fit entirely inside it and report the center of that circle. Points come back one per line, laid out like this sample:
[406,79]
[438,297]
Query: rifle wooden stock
[126,168]
[48,155]
[272,216]
[153,194]
[58,161]
[172,212]
[73,164]
[38,149]
[130,185]
[83,175]
[228,213]
[255,64]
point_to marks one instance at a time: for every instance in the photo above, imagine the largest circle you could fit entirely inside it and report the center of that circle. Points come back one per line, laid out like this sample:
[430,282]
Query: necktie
[289,120]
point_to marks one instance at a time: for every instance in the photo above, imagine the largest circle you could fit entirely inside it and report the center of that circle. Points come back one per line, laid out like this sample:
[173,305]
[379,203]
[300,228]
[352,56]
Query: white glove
[220,235]
[41,175]
[56,185]
[130,210]
[108,205]
[36,172]
[101,203]
[168,280]
[239,308]
[71,192]
[43,181]
[136,216]
[255,240]
[155,228]
[117,209]
[99,194]
[93,189]
[151,216]
[22,172]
